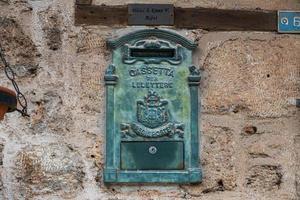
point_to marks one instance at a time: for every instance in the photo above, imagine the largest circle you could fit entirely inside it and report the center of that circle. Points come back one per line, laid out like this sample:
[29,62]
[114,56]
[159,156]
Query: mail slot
[152,109]
[154,53]
[152,156]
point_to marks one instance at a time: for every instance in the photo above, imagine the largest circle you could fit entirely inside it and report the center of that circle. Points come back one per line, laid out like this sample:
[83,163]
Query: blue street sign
[288,21]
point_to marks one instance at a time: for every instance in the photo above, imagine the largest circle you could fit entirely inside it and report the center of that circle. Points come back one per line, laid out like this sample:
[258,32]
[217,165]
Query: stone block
[252,76]
[19,49]
[52,29]
[217,158]
[264,177]
[48,169]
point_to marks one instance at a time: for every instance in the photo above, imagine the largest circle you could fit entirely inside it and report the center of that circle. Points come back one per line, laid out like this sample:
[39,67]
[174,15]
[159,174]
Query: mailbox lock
[152,150]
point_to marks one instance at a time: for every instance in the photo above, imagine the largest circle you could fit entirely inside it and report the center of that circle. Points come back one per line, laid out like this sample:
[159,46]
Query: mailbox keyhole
[152,150]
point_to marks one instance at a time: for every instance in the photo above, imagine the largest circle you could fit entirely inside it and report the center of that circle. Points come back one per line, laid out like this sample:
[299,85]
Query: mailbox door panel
[152,155]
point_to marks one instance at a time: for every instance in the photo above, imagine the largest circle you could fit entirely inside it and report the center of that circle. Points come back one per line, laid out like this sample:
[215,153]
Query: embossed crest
[152,112]
[153,119]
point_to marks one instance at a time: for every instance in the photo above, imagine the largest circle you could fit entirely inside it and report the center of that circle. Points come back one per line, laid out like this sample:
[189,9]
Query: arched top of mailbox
[141,34]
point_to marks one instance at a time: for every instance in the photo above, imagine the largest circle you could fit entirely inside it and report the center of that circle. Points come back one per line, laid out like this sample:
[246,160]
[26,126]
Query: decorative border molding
[152,44]
[159,33]
[194,77]
[110,77]
[194,81]
[150,176]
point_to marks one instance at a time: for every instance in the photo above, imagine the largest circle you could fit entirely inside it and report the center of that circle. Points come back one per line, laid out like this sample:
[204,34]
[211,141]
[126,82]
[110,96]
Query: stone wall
[250,126]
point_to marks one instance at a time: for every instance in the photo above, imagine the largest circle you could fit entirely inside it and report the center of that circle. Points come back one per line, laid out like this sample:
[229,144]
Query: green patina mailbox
[152,109]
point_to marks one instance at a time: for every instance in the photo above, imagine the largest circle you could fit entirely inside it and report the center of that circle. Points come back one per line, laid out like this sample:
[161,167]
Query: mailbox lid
[156,155]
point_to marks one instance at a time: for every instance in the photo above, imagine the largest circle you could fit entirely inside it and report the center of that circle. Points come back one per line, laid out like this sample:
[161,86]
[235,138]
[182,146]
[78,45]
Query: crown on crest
[152,98]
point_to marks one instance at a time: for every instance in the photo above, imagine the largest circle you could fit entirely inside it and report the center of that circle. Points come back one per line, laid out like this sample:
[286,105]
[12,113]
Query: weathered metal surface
[191,18]
[152,109]
[152,155]
[288,21]
[150,14]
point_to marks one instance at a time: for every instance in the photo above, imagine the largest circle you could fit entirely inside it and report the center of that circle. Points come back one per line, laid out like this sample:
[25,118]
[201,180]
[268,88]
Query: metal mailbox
[152,109]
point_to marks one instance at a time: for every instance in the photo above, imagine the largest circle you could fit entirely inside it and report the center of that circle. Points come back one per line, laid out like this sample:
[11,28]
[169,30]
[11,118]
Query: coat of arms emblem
[152,112]
[153,119]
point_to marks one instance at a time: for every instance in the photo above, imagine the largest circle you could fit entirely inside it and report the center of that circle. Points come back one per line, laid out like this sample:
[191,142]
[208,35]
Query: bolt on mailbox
[152,109]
